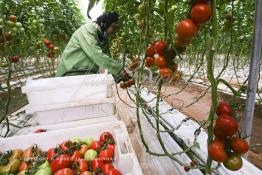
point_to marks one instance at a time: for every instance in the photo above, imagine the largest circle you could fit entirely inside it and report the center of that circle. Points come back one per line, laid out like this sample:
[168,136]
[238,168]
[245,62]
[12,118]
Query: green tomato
[90,155]
[45,171]
[44,165]
[88,141]
[233,163]
[142,9]
[18,24]
[34,21]
[1,21]
[77,140]
[10,23]
[15,30]
[41,20]
[137,17]
[22,30]
[1,28]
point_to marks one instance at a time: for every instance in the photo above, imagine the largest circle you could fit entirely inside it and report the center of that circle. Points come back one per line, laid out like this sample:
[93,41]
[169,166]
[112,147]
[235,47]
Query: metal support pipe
[253,73]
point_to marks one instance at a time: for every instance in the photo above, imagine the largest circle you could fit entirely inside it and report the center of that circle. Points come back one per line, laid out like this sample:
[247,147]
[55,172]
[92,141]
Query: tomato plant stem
[213,81]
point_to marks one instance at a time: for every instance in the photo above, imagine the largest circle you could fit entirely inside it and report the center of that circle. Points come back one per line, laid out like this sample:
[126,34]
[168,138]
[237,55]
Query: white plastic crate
[79,110]
[125,158]
[71,124]
[51,91]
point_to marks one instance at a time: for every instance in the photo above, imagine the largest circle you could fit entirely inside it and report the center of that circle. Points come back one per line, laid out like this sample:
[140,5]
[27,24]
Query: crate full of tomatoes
[102,149]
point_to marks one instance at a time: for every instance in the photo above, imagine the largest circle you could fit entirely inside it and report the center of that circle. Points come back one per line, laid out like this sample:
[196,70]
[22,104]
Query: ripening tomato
[8,36]
[200,13]
[105,136]
[62,161]
[106,155]
[83,149]
[50,154]
[130,83]
[239,145]
[76,156]
[106,167]
[149,61]
[223,108]
[96,164]
[160,62]
[66,145]
[114,171]
[30,152]
[96,145]
[64,171]
[160,46]
[14,59]
[186,29]
[23,166]
[12,18]
[86,173]
[217,152]
[182,42]
[227,124]
[165,72]
[150,51]
[233,163]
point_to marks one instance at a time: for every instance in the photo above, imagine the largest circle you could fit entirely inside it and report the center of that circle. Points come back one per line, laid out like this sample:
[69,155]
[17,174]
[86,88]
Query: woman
[88,49]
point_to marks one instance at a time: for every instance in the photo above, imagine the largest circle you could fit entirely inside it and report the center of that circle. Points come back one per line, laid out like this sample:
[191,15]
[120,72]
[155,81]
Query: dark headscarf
[105,20]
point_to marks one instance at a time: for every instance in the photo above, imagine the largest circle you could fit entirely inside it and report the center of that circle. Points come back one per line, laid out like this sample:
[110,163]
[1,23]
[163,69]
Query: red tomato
[105,136]
[23,166]
[50,153]
[80,166]
[130,83]
[200,13]
[219,133]
[182,42]
[47,42]
[160,46]
[165,72]
[62,161]
[40,130]
[96,145]
[150,51]
[223,108]
[86,173]
[217,152]
[149,61]
[106,167]
[227,124]
[96,164]
[15,59]
[83,149]
[239,145]
[114,171]
[111,146]
[66,145]
[186,29]
[106,155]
[64,171]
[76,156]
[160,62]
[51,46]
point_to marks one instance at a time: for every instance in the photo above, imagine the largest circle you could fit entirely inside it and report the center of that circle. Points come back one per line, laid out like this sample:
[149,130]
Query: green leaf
[91,5]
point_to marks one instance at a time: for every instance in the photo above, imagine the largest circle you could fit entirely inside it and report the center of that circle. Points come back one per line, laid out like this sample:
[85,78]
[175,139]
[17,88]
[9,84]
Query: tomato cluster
[71,157]
[53,49]
[187,28]
[12,27]
[227,147]
[159,55]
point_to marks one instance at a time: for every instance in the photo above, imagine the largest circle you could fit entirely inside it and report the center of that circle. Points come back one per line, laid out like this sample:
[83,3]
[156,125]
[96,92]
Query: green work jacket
[85,53]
